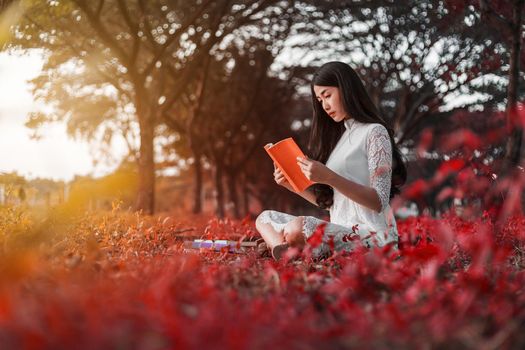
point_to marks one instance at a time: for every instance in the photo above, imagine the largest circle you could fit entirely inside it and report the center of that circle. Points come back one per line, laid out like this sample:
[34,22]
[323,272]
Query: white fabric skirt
[344,238]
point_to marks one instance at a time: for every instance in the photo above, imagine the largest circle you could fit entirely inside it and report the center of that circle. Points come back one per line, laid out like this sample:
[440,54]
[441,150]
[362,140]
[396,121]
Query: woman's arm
[281,180]
[364,195]
[308,195]
[379,154]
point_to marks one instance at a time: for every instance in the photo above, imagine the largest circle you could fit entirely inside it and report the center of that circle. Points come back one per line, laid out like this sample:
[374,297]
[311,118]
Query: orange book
[284,153]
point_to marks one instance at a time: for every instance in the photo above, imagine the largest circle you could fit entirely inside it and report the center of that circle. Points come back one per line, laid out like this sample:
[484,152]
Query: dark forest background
[197,88]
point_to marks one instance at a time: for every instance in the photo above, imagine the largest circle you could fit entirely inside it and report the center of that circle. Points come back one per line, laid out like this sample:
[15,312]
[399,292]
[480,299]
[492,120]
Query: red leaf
[317,237]
[416,189]
[462,138]
[444,194]
[451,166]
[424,143]
[423,252]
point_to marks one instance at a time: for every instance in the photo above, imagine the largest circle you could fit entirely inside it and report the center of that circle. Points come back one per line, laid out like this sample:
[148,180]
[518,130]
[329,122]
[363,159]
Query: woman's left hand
[314,171]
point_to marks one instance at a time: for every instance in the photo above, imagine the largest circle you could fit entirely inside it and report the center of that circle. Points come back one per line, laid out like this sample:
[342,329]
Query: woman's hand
[280,179]
[315,171]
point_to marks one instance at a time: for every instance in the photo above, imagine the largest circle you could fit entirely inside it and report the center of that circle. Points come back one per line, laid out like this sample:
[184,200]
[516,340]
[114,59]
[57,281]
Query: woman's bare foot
[279,250]
[262,249]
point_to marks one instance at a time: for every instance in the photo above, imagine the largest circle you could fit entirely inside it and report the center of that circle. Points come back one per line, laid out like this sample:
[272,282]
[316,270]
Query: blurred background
[165,106]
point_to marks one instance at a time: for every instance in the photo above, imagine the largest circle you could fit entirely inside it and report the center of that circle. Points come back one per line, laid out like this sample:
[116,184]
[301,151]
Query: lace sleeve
[379,153]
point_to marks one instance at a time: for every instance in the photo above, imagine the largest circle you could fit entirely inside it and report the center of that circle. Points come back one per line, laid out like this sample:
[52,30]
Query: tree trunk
[4,4]
[146,171]
[197,200]
[514,127]
[232,192]
[246,198]
[219,204]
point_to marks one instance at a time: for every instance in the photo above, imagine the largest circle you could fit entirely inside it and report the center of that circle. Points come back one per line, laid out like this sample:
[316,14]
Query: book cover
[284,153]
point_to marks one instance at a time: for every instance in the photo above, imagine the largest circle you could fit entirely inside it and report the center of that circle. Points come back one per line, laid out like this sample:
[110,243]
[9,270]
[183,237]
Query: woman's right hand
[280,179]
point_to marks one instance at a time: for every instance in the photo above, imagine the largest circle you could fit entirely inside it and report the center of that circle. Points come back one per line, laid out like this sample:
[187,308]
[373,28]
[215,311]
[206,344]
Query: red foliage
[425,142]
[416,189]
[452,281]
[451,166]
[461,139]
[317,237]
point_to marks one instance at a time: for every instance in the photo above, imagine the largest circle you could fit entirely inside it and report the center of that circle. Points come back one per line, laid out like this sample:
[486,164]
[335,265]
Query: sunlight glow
[55,155]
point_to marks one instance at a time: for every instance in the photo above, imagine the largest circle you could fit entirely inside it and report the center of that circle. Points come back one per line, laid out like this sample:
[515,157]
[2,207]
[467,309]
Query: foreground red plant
[127,283]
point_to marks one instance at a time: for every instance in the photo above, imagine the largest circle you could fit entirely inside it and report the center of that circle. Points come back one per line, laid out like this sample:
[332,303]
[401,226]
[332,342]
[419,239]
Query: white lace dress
[363,154]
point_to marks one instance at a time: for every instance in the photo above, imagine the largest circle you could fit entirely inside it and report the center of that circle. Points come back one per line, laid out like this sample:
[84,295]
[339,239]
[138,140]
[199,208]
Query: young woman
[356,164]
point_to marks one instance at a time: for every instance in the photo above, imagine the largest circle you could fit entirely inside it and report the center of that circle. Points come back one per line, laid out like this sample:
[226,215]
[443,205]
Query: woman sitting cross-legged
[356,165]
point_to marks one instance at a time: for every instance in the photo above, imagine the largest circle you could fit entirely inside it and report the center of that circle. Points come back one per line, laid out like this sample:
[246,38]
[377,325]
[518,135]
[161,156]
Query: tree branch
[99,7]
[99,28]
[175,36]
[487,9]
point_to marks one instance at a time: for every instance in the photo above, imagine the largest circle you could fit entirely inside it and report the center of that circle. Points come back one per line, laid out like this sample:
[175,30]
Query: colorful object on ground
[219,245]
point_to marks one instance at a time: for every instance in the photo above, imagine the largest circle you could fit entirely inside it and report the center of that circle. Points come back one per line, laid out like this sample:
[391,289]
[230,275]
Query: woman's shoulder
[374,125]
[367,128]
[376,128]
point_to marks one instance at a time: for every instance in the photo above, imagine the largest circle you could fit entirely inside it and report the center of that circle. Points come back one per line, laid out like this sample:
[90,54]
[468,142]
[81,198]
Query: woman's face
[330,100]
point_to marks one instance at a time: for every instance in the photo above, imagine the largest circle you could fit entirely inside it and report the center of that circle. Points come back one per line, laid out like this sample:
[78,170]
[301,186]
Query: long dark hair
[325,133]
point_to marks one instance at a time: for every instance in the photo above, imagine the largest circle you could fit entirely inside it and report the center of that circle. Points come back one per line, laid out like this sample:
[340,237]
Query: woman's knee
[293,231]
[294,225]
[262,218]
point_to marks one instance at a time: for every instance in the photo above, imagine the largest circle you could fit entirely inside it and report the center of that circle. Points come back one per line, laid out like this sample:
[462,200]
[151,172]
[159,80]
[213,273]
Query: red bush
[452,283]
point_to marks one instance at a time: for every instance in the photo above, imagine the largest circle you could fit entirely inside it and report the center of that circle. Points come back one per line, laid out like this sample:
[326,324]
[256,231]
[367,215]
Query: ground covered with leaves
[121,280]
